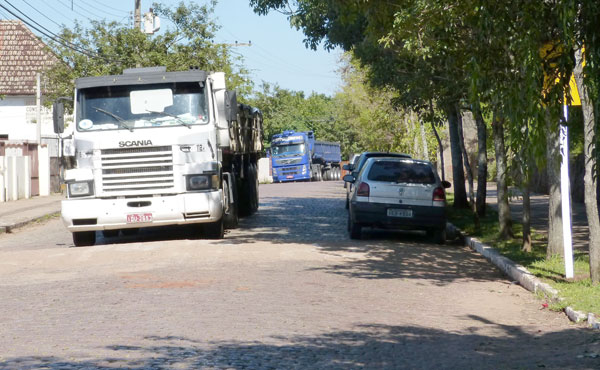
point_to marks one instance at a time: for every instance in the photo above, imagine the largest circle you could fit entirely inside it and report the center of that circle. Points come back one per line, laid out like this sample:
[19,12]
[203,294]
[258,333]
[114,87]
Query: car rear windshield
[401,172]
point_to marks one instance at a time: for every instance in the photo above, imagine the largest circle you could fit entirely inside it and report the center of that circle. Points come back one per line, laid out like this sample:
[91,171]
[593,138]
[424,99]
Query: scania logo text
[124,144]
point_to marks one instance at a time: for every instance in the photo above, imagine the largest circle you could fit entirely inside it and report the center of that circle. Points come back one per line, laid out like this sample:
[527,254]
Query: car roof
[384,154]
[398,159]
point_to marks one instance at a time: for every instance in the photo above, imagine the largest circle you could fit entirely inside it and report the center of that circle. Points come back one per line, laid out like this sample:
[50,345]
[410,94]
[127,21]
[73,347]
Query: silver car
[398,193]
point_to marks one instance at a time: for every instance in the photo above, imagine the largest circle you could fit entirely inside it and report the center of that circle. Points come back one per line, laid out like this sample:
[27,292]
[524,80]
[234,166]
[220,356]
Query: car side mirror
[347,167]
[58,116]
[349,178]
[446,184]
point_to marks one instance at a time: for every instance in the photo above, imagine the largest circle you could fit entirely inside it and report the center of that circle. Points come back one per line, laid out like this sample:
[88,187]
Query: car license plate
[136,218]
[289,177]
[395,212]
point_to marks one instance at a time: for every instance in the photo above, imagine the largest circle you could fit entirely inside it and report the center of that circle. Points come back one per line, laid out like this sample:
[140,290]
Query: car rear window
[401,172]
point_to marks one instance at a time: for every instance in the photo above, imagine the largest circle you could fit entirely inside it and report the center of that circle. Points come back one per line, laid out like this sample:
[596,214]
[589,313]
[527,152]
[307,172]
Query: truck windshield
[163,105]
[279,150]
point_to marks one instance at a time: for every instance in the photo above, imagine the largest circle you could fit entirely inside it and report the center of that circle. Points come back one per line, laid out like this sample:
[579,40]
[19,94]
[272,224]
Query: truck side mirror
[58,116]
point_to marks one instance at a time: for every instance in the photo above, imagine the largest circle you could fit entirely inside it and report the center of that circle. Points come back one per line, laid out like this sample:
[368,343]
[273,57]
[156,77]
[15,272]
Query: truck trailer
[152,148]
[297,156]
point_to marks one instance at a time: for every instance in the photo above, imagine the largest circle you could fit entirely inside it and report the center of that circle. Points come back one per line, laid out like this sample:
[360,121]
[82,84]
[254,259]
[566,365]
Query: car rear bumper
[375,214]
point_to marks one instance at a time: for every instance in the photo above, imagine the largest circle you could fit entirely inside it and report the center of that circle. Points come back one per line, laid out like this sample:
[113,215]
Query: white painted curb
[521,275]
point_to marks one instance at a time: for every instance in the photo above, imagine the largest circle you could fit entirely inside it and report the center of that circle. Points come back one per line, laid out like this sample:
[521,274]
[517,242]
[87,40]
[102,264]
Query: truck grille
[290,170]
[137,169]
[283,162]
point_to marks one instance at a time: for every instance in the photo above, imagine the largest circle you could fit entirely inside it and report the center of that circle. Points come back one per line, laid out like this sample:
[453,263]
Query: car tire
[439,236]
[84,238]
[354,228]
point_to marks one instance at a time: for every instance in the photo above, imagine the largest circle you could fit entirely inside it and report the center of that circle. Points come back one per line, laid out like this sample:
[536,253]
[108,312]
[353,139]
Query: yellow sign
[553,50]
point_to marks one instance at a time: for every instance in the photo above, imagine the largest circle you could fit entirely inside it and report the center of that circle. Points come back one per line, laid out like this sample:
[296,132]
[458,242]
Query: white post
[565,192]
[38,103]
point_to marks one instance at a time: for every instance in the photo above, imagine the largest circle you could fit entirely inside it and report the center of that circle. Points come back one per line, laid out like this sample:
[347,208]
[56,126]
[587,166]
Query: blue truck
[297,156]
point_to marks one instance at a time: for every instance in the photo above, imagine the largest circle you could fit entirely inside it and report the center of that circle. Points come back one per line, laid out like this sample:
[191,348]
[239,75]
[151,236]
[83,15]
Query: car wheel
[439,236]
[354,228]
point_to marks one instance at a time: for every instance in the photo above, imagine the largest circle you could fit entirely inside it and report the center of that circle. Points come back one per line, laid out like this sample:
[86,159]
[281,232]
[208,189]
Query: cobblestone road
[288,289]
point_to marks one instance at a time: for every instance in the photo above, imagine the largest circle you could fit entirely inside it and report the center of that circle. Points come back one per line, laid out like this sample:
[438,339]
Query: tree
[110,48]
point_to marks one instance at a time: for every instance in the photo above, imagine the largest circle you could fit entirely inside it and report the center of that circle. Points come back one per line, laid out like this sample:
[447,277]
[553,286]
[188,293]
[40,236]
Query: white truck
[152,148]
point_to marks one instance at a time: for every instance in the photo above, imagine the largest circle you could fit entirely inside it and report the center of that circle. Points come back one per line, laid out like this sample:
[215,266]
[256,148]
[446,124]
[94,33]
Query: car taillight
[363,190]
[439,195]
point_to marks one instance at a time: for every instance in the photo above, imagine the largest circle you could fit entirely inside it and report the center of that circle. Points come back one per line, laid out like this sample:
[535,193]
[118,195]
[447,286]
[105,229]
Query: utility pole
[137,14]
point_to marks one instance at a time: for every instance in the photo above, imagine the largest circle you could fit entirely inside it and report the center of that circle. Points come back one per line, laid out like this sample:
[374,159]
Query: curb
[521,275]
[19,224]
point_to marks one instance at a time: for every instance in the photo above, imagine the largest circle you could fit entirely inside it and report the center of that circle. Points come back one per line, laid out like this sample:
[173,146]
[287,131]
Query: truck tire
[319,173]
[84,238]
[248,195]
[213,230]
[256,185]
[338,173]
[110,233]
[230,213]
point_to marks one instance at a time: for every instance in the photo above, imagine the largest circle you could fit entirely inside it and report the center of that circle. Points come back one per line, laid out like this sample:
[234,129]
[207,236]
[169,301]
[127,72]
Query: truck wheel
[110,233]
[213,230]
[248,195]
[319,173]
[338,173]
[256,185]
[84,238]
[230,213]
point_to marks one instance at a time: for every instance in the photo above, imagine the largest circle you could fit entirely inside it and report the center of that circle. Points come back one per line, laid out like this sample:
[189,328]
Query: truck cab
[154,148]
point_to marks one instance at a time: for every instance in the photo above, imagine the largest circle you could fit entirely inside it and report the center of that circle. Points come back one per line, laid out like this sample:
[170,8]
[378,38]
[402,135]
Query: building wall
[18,119]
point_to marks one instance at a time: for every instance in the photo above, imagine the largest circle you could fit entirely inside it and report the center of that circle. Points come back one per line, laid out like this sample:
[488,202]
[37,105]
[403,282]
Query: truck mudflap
[110,214]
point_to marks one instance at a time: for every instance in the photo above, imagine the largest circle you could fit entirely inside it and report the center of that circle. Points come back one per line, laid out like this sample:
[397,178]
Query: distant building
[22,56]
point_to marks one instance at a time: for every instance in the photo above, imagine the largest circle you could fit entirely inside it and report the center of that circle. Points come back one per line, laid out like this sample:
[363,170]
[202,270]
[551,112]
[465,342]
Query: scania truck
[297,156]
[152,148]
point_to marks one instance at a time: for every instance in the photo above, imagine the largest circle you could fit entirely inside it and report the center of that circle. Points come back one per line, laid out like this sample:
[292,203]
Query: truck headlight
[81,189]
[203,182]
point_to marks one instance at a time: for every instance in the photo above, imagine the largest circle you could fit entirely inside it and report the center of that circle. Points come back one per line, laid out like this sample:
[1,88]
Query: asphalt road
[288,289]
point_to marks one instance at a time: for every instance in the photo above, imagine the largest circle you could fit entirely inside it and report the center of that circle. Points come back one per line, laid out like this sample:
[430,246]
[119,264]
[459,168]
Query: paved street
[288,289]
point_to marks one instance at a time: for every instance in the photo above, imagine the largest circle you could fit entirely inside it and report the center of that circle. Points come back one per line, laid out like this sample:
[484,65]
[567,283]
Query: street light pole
[137,14]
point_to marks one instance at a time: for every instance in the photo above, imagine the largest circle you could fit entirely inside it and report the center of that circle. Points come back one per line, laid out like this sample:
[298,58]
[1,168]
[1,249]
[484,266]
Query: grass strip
[578,293]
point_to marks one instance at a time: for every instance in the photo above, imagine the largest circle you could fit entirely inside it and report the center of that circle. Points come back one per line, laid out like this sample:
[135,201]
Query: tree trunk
[465,156]
[458,174]
[424,142]
[481,162]
[590,179]
[555,231]
[504,218]
[439,141]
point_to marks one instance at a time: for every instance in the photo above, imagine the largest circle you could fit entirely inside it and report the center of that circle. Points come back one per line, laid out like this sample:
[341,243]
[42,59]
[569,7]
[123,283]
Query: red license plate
[136,218]
[289,177]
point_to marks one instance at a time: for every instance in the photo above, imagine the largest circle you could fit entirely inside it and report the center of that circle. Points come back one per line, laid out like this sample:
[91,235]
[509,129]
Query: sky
[276,55]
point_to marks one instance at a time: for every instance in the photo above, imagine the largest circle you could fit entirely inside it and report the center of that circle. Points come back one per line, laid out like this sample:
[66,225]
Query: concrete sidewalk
[15,214]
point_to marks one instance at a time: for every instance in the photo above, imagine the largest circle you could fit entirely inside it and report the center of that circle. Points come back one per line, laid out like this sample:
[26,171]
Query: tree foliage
[112,47]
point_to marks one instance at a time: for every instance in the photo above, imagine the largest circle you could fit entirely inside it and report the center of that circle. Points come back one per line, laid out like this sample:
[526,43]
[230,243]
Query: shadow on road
[484,344]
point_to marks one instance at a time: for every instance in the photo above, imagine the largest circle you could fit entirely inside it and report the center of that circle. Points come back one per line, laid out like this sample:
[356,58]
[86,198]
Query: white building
[22,57]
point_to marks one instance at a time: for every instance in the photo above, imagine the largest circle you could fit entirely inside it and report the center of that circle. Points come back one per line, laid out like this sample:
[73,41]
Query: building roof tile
[22,56]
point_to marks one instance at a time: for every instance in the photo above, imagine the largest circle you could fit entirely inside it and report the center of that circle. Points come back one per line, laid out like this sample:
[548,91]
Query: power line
[57,38]
[103,11]
[42,14]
